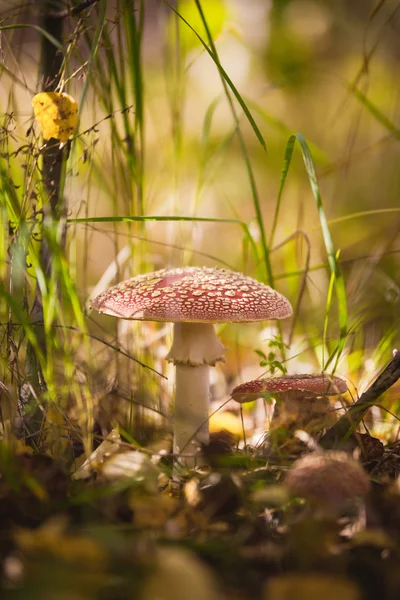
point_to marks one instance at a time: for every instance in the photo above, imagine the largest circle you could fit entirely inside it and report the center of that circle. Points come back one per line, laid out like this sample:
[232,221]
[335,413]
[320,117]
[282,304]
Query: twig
[339,433]
[71,11]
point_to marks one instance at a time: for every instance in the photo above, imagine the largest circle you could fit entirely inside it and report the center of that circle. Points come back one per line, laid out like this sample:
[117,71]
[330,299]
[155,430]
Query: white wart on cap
[193,298]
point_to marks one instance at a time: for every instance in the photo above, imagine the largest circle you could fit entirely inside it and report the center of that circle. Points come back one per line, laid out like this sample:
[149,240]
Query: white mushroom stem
[192,400]
[194,349]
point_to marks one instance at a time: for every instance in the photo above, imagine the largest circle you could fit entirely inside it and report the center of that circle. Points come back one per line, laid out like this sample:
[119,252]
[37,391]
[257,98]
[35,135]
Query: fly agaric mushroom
[302,399]
[328,480]
[193,298]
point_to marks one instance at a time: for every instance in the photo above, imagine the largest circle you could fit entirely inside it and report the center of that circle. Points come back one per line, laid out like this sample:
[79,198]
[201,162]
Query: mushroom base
[301,409]
[312,414]
[191,411]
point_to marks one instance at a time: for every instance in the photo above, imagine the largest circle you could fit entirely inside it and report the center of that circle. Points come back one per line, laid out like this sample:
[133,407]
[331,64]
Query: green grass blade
[363,213]
[375,112]
[9,197]
[256,200]
[330,249]
[318,153]
[94,49]
[129,219]
[287,159]
[45,33]
[20,316]
[223,73]
[328,305]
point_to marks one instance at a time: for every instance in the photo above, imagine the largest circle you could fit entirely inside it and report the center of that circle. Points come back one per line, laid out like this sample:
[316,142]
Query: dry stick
[53,154]
[50,69]
[71,11]
[339,433]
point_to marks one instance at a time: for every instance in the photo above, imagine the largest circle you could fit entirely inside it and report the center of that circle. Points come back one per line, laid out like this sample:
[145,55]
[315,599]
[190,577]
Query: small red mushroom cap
[308,385]
[193,295]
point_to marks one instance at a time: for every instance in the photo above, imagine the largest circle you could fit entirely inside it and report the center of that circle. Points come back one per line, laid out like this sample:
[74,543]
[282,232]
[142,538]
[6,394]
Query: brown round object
[193,295]
[328,479]
[301,385]
[311,586]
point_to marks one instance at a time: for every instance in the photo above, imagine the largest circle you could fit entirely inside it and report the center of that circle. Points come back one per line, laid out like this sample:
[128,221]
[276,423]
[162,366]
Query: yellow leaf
[21,448]
[226,420]
[56,113]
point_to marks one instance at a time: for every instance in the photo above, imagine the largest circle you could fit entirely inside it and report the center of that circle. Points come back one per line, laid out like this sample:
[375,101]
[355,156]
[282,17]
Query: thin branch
[71,11]
[339,433]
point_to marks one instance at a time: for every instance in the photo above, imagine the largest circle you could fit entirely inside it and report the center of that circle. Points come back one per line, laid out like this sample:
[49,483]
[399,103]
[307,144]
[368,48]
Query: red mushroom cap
[193,294]
[310,385]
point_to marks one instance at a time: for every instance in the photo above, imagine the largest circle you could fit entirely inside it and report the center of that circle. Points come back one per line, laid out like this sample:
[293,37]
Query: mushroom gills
[195,344]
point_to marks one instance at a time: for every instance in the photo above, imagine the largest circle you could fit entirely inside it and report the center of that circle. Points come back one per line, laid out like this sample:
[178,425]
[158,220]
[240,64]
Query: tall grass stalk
[336,274]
